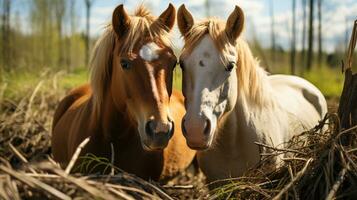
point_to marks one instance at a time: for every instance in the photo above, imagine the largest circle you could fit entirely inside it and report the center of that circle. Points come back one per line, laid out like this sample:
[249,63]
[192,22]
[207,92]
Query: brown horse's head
[139,72]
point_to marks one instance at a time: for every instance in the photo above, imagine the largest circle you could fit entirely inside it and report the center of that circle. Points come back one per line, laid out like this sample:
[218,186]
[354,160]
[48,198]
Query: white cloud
[258,21]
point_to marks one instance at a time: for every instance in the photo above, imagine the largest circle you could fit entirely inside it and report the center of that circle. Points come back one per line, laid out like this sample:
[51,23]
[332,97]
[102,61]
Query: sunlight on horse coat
[128,103]
[232,102]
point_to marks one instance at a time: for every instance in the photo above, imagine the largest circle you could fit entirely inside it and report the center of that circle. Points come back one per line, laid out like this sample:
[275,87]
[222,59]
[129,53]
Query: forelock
[144,27]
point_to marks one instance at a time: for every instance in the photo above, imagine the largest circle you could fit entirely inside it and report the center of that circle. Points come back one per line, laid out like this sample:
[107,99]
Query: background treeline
[311,53]
[49,37]
[53,35]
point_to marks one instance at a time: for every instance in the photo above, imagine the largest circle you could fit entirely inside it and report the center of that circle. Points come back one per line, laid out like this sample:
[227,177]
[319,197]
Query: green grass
[19,83]
[328,80]
[23,81]
[75,79]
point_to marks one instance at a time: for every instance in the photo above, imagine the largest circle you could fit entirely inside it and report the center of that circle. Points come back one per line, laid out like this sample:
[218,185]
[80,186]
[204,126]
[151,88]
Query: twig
[279,149]
[337,184]
[27,115]
[21,157]
[34,183]
[94,191]
[8,188]
[132,189]
[178,187]
[294,159]
[159,191]
[52,161]
[121,194]
[112,158]
[50,176]
[75,155]
[293,181]
[351,47]
[19,109]
[292,178]
[346,131]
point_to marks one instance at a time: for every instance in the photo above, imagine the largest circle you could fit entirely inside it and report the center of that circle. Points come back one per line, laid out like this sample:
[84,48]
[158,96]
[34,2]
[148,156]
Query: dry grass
[322,164]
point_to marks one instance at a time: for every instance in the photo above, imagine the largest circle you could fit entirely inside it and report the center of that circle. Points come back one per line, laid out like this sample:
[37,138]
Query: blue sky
[335,14]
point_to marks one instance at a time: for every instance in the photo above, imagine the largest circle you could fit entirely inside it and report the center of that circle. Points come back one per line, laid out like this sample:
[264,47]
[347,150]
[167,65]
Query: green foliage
[328,80]
[91,163]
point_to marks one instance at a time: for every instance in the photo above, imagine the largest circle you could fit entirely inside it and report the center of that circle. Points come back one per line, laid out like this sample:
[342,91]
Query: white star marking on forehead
[148,52]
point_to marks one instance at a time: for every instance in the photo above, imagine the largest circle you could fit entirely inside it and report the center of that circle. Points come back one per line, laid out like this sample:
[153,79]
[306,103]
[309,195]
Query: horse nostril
[149,128]
[207,129]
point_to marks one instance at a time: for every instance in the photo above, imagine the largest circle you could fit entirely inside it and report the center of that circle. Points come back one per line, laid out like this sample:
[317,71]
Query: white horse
[231,102]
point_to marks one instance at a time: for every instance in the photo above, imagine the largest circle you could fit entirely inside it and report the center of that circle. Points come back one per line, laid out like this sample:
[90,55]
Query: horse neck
[254,100]
[111,121]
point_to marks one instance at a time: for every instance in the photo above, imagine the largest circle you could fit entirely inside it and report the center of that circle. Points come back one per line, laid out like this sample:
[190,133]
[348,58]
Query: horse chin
[199,147]
[152,145]
[150,148]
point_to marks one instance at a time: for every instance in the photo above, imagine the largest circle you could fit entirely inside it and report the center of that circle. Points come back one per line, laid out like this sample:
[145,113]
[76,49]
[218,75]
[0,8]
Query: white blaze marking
[148,52]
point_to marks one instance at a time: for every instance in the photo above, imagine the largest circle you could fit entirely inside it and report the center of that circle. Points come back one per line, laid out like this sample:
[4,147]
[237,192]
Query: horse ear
[168,17]
[184,19]
[235,23]
[120,21]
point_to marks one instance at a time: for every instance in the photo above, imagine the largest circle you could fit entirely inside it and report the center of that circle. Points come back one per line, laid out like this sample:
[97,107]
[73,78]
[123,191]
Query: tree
[60,7]
[293,39]
[319,57]
[272,30]
[311,36]
[72,21]
[89,4]
[346,34]
[303,41]
[6,12]
[41,24]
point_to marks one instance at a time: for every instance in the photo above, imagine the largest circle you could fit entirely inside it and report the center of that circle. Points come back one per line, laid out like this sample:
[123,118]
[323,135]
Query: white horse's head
[209,64]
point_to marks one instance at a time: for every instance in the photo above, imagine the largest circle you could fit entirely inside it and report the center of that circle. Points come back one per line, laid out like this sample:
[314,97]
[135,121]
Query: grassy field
[15,84]
[328,80]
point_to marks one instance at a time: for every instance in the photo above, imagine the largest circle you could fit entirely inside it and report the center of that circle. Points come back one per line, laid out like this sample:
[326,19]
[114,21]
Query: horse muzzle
[158,134]
[197,132]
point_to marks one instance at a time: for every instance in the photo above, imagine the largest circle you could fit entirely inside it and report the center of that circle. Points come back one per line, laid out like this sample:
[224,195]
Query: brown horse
[127,104]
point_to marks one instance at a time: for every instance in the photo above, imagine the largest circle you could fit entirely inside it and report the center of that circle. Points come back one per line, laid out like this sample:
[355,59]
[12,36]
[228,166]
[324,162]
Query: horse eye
[182,65]
[230,66]
[125,64]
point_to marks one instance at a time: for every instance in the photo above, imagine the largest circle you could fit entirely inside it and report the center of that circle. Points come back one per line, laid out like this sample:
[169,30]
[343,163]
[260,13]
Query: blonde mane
[143,26]
[250,75]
